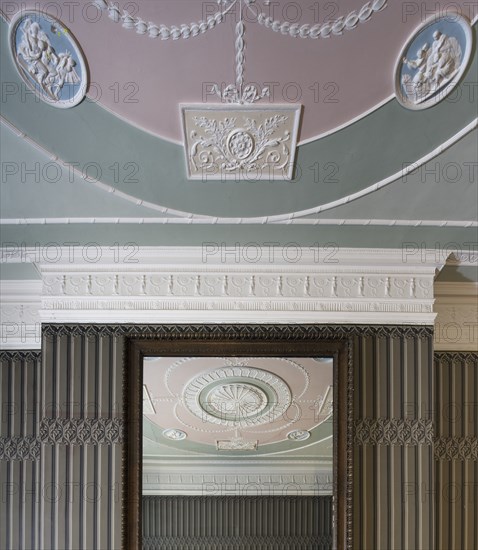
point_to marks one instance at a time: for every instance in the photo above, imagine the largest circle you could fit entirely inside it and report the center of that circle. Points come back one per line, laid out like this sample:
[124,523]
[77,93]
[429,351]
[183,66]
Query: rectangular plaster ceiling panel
[240,142]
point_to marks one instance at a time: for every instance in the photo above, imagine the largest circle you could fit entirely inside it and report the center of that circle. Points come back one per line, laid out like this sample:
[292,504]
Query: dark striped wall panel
[456,450]
[76,482]
[252,523]
[81,389]
[393,452]
[20,503]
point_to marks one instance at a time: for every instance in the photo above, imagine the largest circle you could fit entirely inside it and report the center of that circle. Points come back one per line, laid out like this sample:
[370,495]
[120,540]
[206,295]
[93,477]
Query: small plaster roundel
[432,61]
[48,58]
[240,144]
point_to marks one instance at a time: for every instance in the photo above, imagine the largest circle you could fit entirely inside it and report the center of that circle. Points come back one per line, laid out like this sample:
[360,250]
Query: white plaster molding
[456,325]
[239,221]
[321,30]
[214,255]
[330,28]
[20,326]
[215,283]
[233,284]
[302,477]
[164,32]
[349,122]
[279,218]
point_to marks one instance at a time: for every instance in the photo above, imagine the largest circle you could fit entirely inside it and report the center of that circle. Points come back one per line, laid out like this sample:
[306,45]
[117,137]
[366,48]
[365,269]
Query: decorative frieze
[197,284]
[393,431]
[227,284]
[19,355]
[456,448]
[242,285]
[19,448]
[81,431]
[238,331]
[278,542]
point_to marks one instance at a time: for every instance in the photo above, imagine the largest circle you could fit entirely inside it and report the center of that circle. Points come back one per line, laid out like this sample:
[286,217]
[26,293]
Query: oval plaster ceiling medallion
[432,61]
[174,434]
[299,435]
[238,397]
[48,58]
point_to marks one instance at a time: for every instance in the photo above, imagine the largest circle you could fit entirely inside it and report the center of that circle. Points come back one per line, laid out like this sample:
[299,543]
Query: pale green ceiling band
[88,202]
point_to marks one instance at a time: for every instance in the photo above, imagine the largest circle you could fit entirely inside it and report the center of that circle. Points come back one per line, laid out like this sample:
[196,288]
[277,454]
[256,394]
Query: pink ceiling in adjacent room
[302,390]
[144,80]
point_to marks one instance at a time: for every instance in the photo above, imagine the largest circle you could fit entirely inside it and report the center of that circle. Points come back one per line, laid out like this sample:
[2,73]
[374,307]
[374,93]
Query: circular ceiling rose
[48,58]
[235,401]
[237,397]
[433,61]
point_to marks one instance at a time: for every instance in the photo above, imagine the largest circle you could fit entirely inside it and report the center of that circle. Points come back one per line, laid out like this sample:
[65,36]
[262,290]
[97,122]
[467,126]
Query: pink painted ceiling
[143,80]
[307,379]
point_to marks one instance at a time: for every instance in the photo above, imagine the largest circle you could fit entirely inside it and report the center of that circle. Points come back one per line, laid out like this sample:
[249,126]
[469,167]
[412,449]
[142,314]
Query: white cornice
[216,285]
[213,255]
[20,303]
[255,284]
[251,477]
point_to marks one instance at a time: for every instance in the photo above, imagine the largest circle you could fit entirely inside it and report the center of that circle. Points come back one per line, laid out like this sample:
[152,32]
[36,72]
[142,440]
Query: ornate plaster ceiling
[112,170]
[370,173]
[142,80]
[220,405]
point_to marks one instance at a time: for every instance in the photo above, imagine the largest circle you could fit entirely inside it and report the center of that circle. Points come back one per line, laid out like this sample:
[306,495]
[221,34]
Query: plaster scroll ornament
[240,142]
[433,60]
[48,58]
